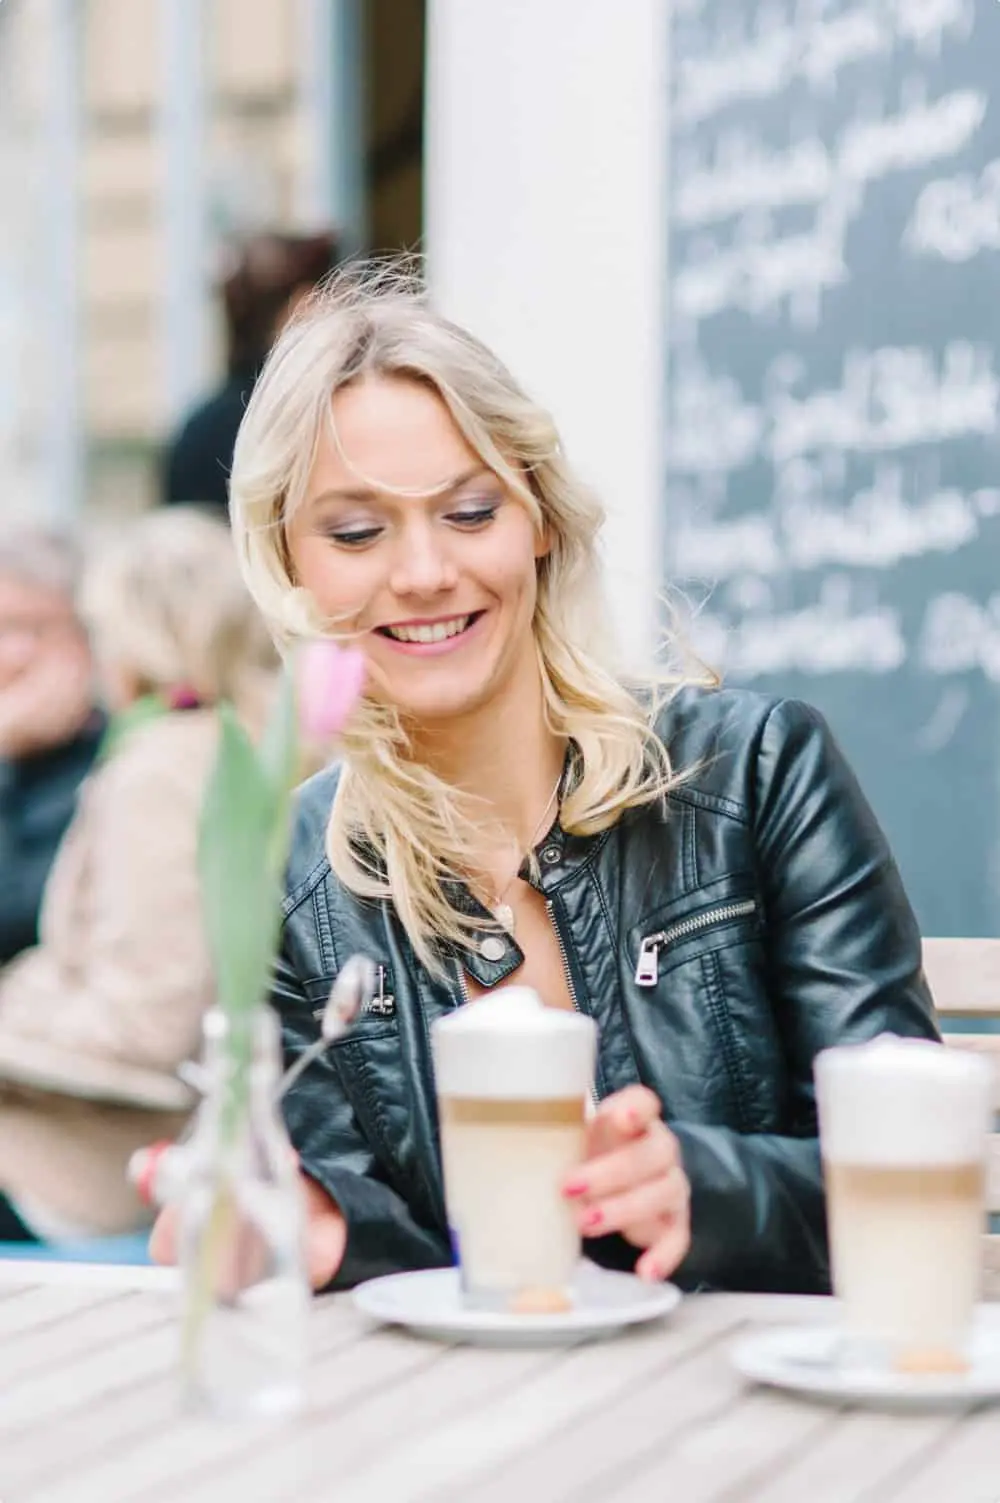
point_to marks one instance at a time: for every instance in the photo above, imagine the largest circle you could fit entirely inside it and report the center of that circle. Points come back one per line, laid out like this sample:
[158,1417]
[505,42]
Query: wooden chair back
[964,978]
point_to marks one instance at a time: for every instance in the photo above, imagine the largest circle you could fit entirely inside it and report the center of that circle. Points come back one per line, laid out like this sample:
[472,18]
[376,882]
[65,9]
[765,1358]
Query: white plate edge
[496,1322]
[752,1359]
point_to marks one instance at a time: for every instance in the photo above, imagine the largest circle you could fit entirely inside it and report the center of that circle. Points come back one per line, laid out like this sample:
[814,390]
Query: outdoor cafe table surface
[89,1410]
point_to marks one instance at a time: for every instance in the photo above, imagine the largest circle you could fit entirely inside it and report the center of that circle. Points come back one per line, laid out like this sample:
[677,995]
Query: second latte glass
[904,1128]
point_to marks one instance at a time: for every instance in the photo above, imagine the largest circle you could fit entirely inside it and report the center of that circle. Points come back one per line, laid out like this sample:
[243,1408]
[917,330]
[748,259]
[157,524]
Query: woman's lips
[434,649]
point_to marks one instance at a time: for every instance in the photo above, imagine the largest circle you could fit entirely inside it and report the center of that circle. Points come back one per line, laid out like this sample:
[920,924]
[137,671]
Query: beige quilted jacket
[95,1019]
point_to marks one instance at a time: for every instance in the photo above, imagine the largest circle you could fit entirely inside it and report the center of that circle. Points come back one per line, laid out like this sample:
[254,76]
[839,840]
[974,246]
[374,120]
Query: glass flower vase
[241,1234]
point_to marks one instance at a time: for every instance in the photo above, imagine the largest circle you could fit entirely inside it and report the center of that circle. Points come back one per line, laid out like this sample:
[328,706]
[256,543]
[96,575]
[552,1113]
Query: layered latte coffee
[513,1082]
[904,1127]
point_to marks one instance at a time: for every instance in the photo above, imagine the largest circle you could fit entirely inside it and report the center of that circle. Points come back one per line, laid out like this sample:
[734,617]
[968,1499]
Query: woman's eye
[475,516]
[355,537]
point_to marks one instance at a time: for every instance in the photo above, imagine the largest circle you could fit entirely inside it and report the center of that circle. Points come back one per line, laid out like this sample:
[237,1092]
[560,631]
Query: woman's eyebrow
[364,493]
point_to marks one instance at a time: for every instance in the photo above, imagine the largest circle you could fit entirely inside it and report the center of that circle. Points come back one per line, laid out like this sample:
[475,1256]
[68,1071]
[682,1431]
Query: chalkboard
[833,395]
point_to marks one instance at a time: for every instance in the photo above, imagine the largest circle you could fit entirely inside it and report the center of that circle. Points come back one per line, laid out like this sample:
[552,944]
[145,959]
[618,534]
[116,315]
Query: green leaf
[279,745]
[241,825]
[279,757]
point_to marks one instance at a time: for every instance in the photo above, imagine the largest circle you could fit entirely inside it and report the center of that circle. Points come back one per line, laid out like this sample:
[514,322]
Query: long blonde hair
[396,830]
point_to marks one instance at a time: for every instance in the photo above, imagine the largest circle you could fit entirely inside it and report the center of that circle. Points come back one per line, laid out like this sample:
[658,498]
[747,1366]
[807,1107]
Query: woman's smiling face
[406,540]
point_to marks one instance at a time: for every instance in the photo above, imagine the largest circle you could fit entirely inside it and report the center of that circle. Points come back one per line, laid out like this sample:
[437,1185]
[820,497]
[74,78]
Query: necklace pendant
[504,914]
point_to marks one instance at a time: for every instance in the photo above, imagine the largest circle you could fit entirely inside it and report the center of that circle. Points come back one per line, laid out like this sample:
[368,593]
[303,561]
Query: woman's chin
[452,698]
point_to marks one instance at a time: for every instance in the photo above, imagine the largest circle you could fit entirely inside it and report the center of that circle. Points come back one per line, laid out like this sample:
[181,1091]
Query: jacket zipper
[647,970]
[562,956]
[594,1098]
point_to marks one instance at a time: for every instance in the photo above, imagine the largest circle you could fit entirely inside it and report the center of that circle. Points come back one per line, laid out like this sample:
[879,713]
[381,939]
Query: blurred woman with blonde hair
[96,1018]
[693,867]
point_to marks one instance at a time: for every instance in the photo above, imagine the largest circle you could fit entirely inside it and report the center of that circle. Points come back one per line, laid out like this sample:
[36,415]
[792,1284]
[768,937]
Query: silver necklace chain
[502,910]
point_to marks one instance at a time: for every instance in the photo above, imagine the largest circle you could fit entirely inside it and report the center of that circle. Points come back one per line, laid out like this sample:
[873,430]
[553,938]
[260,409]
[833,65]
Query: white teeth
[439,631]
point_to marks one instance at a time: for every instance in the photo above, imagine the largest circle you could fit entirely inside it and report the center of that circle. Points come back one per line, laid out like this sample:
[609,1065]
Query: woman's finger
[635,1209]
[647,1157]
[163,1237]
[667,1253]
[326,1234]
[621,1117]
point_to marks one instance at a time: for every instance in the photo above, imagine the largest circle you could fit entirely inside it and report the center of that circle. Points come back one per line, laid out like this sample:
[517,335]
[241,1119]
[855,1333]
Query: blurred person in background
[50,726]
[268,277]
[110,1001]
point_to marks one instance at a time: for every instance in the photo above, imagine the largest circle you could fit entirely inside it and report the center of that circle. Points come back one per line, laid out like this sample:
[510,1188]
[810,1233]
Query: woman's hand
[631,1181]
[326,1235]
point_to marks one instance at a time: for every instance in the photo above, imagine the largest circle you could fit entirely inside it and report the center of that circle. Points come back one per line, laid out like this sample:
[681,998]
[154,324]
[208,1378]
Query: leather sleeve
[382,1235]
[844,952]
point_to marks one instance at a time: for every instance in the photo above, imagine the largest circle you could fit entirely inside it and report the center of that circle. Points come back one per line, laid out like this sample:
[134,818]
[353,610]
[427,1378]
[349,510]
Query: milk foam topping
[509,1045]
[896,1102]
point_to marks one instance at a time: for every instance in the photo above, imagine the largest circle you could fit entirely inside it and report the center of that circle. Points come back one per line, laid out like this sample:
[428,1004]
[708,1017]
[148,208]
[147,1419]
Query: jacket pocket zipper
[381,1005]
[647,970]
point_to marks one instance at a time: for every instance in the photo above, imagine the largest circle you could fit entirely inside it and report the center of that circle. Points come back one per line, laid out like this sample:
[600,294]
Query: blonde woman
[95,1019]
[703,878]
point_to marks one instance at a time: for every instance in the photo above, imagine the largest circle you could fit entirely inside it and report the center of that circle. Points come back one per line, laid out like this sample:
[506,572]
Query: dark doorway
[394,119]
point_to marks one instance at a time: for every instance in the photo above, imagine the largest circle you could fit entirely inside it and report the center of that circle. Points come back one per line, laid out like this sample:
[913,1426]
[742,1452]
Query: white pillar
[331,188]
[184,339]
[17,147]
[62,426]
[545,232]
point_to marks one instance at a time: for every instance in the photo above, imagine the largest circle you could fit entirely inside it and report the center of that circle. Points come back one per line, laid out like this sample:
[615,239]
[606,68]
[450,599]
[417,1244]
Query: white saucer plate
[810,1361]
[430,1303]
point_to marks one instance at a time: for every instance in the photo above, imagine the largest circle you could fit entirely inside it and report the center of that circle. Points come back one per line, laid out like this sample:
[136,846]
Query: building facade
[137,139]
[519,145]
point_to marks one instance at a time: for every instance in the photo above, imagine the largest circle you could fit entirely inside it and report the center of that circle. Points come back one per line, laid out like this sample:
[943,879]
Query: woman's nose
[423,565]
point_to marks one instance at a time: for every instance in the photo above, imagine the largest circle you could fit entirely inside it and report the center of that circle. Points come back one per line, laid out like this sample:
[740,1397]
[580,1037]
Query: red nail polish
[575,1187]
[592,1220]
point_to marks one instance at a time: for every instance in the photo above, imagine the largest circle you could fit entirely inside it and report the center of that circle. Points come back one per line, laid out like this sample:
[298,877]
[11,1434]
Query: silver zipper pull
[383,1004]
[647,971]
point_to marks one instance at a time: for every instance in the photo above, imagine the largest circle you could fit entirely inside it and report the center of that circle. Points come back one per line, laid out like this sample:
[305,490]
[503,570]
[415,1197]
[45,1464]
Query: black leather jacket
[767,916]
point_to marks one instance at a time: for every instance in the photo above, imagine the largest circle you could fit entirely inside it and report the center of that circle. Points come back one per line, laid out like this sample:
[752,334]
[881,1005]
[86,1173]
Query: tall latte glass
[513,1083]
[904,1127]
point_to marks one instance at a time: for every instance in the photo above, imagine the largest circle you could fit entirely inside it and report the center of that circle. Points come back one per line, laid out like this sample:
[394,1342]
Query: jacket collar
[557,857]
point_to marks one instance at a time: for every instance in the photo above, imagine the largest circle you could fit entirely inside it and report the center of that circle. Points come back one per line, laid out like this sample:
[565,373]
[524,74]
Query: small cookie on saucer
[541,1302]
[930,1361]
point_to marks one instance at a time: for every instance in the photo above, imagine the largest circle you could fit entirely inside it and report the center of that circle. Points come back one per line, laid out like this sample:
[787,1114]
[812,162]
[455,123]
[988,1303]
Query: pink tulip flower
[330,680]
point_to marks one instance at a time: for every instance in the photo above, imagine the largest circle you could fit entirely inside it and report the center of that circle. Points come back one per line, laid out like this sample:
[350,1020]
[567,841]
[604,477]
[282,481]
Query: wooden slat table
[88,1412]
